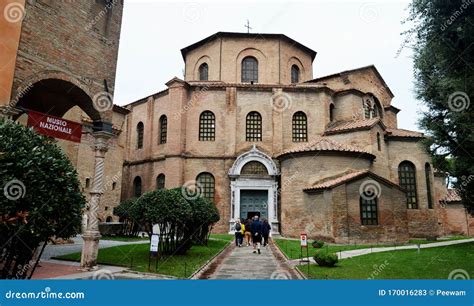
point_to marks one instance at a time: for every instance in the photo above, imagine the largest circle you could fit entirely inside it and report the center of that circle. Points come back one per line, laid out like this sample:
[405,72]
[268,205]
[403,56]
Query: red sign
[55,126]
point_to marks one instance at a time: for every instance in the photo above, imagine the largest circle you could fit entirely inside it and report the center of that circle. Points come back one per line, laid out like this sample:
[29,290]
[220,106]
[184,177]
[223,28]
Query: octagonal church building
[258,135]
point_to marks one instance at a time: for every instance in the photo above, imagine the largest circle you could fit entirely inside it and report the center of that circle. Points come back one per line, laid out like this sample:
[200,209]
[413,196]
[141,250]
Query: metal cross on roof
[248,26]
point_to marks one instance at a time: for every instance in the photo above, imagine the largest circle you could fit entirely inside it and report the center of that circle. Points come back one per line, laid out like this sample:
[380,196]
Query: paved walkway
[241,263]
[359,252]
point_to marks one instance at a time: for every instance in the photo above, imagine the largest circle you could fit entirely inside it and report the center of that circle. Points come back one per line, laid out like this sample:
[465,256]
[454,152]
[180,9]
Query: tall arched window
[407,178]
[206,184]
[331,112]
[368,210]
[371,109]
[254,127]
[203,72]
[163,128]
[295,74]
[300,127]
[160,181]
[429,192]
[137,187]
[379,142]
[207,126]
[249,70]
[140,129]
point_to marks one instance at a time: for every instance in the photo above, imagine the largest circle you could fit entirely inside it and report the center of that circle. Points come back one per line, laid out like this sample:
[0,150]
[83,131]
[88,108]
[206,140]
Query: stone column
[92,235]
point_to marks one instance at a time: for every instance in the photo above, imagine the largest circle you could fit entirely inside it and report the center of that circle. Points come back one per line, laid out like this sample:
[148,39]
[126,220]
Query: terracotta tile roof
[346,177]
[323,144]
[451,196]
[329,183]
[344,126]
[403,133]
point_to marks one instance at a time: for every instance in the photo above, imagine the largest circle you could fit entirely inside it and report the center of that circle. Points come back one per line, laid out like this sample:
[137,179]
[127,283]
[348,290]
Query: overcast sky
[346,35]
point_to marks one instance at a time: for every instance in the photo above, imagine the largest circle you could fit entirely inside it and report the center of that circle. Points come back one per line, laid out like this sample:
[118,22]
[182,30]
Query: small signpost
[304,245]
[154,242]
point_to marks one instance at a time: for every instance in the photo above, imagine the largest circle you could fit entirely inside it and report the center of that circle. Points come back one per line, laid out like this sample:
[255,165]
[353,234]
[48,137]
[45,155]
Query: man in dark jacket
[256,228]
[266,228]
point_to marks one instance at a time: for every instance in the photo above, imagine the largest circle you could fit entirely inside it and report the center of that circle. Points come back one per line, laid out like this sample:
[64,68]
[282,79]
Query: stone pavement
[359,252]
[241,263]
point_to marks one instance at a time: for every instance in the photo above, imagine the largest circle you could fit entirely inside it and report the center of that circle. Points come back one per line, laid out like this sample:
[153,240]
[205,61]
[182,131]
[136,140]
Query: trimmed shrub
[318,244]
[41,196]
[128,211]
[325,259]
[205,215]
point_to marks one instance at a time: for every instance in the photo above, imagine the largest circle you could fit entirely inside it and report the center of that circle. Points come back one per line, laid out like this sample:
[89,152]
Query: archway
[254,188]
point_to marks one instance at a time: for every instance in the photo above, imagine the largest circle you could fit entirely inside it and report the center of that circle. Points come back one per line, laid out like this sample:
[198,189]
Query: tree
[444,74]
[168,210]
[204,215]
[129,211]
[41,196]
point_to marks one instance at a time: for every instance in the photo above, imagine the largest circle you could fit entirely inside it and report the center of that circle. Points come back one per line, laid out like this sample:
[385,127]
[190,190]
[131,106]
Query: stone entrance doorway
[253,203]
[254,188]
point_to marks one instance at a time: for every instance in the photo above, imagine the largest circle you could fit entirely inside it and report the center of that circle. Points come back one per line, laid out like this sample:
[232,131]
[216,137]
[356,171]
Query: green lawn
[431,263]
[135,256]
[124,238]
[292,248]
[225,237]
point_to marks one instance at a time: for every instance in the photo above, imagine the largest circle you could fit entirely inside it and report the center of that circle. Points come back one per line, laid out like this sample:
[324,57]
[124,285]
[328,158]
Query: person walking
[238,233]
[248,231]
[256,229]
[266,228]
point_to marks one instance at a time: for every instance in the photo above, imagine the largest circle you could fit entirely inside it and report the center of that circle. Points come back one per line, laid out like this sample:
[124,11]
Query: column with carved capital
[91,236]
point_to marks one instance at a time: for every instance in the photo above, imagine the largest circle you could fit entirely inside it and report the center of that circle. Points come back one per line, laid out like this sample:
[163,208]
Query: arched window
[253,168]
[207,126]
[429,192]
[109,219]
[331,112]
[368,210]
[137,187]
[140,129]
[295,74]
[160,181]
[163,128]
[371,109]
[203,72]
[407,178]
[300,127]
[249,70]
[206,184]
[254,127]
[379,144]
[88,182]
